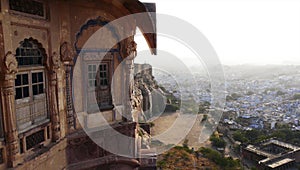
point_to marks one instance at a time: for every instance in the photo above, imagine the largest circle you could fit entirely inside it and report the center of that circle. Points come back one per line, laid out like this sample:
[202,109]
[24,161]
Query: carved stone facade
[8,73]
[67,54]
[45,63]
[54,66]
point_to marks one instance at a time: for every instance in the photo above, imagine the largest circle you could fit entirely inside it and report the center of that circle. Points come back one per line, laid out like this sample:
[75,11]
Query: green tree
[296,96]
[204,118]
[252,135]
[206,103]
[185,143]
[201,109]
[240,136]
[225,163]
[235,96]
[217,142]
[280,93]
[249,93]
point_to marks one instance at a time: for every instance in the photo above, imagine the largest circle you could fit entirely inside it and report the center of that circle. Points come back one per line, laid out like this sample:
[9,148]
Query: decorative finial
[11,63]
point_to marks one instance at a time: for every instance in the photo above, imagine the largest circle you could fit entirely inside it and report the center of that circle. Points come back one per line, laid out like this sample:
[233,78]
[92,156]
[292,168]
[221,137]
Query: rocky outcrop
[153,100]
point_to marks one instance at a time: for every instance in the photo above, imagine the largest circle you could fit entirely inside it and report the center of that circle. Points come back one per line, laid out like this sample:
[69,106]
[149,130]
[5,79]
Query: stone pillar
[128,52]
[8,76]
[127,97]
[54,65]
[67,55]
[130,55]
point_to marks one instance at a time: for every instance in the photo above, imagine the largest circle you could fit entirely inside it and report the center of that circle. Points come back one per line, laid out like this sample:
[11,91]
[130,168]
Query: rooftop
[280,162]
[274,160]
[282,144]
[256,150]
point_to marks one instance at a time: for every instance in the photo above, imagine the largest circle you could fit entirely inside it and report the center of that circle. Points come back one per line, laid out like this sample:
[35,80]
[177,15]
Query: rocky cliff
[153,100]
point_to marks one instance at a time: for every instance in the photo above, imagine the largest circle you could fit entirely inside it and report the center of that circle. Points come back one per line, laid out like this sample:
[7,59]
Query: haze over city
[150,84]
[241,32]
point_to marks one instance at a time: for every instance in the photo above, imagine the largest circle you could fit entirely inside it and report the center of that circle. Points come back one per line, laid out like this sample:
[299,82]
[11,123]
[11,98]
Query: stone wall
[153,100]
[61,28]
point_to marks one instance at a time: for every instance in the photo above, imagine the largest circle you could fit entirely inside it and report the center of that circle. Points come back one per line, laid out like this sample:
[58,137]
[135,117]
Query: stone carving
[136,97]
[10,69]
[10,63]
[8,91]
[55,62]
[131,49]
[67,53]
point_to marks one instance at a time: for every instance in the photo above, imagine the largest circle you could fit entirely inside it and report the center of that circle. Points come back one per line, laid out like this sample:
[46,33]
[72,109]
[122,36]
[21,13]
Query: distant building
[273,155]
[273,124]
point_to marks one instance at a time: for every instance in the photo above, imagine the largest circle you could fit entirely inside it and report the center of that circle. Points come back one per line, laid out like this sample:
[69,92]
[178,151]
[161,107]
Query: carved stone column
[8,76]
[54,65]
[67,55]
[130,54]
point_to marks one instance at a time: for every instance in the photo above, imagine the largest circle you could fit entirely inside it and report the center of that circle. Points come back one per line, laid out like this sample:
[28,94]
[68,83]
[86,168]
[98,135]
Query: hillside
[182,158]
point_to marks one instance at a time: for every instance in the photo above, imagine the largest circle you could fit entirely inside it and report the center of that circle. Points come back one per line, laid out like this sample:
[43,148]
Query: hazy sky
[242,31]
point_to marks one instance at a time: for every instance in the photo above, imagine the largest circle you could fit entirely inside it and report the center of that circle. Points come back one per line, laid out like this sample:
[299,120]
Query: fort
[273,154]
[53,86]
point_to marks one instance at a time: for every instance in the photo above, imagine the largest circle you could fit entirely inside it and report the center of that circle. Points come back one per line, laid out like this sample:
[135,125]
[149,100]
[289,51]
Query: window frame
[38,83]
[29,71]
[25,14]
[106,78]
[99,87]
[22,86]
[97,78]
[34,117]
[33,110]
[93,78]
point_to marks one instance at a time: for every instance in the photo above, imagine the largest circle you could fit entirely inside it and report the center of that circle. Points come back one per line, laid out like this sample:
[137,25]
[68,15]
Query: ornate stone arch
[35,44]
[99,21]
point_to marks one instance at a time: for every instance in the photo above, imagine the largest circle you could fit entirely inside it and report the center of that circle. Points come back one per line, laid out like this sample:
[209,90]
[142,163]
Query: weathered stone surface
[60,29]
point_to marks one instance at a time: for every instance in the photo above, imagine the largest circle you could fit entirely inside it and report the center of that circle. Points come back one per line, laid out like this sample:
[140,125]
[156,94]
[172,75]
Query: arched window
[29,54]
[30,93]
